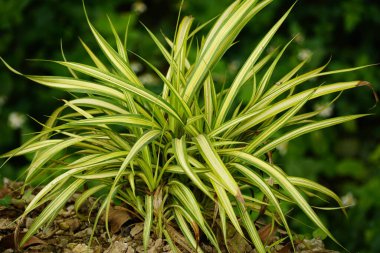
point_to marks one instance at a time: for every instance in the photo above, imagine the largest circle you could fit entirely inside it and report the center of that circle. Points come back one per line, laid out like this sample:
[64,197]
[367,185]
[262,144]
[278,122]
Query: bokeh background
[345,158]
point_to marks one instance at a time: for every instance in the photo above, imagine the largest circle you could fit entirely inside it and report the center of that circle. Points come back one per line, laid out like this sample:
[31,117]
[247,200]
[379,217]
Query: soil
[70,233]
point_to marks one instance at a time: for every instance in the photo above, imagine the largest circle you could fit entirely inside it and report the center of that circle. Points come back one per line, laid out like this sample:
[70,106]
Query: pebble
[28,222]
[137,229]
[117,247]
[82,248]
[83,233]
[156,246]
[130,250]
[7,224]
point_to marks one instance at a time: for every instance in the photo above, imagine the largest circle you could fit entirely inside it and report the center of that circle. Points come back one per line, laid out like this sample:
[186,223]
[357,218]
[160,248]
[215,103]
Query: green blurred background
[345,158]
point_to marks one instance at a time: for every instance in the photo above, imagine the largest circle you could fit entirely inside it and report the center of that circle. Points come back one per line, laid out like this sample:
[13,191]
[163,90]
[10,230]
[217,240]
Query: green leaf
[185,228]
[245,70]
[119,83]
[215,163]
[264,135]
[99,64]
[219,39]
[144,140]
[286,185]
[225,203]
[135,120]
[86,194]
[116,59]
[148,220]
[304,130]
[48,154]
[52,209]
[179,148]
[284,104]
[257,181]
[251,229]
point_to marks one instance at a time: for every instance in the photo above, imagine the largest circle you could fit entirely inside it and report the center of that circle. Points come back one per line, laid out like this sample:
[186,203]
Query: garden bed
[70,233]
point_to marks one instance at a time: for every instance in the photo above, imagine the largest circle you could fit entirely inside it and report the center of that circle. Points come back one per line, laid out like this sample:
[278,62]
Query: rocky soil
[69,233]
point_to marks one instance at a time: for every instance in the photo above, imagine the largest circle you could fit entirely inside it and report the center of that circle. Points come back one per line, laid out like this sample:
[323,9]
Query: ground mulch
[70,232]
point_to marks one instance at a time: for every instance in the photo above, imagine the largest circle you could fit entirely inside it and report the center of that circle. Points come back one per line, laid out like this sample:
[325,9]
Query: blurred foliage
[345,158]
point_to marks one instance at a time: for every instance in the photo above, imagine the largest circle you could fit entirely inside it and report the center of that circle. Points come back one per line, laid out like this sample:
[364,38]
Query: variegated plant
[186,159]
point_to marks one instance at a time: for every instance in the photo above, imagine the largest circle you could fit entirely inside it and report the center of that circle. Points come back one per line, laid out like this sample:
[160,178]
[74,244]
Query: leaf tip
[369,85]
[363,83]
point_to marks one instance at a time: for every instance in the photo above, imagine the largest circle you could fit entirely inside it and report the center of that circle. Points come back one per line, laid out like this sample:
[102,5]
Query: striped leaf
[215,163]
[179,148]
[135,120]
[287,186]
[219,39]
[148,222]
[52,209]
[304,130]
[244,71]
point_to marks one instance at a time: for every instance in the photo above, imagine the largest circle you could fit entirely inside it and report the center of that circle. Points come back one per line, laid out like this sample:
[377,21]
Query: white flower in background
[139,7]
[136,67]
[304,54]
[16,120]
[148,79]
[349,199]
[326,111]
[282,148]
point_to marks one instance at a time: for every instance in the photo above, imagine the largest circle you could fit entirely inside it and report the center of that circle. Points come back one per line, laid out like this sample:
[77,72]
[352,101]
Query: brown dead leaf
[285,249]
[178,238]
[196,231]
[69,224]
[157,201]
[117,217]
[369,85]
[8,242]
[267,232]
[33,241]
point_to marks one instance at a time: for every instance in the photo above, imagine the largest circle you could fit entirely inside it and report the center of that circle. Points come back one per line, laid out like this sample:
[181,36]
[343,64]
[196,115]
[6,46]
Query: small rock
[67,212]
[71,245]
[137,229]
[128,238]
[83,233]
[311,246]
[63,242]
[28,222]
[7,224]
[98,249]
[82,248]
[156,246]
[140,249]
[237,243]
[117,247]
[166,248]
[69,224]
[130,250]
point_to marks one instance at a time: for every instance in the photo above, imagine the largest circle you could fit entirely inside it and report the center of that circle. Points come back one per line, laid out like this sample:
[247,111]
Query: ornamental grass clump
[190,158]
